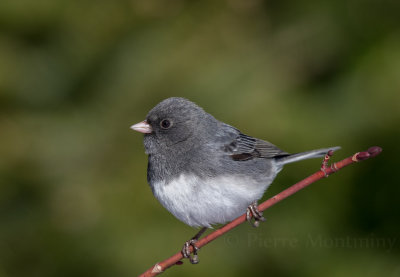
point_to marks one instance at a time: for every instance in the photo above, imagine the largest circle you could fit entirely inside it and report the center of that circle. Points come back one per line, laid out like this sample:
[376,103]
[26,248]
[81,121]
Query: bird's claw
[186,251]
[252,211]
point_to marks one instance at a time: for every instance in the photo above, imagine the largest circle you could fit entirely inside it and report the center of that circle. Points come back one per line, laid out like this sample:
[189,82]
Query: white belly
[200,202]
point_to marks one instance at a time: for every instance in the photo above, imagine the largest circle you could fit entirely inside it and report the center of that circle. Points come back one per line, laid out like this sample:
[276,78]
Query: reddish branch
[324,172]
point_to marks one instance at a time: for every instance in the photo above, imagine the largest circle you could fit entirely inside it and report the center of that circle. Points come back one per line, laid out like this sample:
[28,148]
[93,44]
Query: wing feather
[242,147]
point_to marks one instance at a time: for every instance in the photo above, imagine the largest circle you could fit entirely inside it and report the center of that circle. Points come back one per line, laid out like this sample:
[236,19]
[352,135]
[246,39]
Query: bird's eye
[165,124]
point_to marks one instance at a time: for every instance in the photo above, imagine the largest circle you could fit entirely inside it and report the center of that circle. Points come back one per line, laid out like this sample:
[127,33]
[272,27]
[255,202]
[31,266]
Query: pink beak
[142,127]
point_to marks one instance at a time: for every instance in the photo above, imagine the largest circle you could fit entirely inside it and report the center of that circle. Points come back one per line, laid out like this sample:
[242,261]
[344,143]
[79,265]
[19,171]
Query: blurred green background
[74,75]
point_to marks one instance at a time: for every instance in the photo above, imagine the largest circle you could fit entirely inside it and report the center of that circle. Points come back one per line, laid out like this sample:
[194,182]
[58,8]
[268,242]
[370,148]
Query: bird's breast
[210,200]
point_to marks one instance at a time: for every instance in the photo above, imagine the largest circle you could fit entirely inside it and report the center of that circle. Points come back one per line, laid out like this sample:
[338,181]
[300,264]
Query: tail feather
[291,158]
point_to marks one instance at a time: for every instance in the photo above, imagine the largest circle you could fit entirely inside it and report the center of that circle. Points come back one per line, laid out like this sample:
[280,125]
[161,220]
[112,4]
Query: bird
[206,172]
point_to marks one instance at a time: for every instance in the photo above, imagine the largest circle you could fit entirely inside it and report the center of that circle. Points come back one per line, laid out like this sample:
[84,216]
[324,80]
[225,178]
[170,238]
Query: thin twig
[324,172]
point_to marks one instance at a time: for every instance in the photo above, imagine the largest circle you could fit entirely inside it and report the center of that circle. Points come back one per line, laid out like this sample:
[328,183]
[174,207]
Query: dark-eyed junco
[205,171]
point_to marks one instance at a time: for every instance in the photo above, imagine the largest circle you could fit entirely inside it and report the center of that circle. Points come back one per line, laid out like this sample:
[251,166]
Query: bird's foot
[252,211]
[186,251]
[186,247]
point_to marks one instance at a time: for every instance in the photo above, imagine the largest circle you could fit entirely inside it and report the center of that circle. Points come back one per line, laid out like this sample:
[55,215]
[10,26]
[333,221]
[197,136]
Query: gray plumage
[205,171]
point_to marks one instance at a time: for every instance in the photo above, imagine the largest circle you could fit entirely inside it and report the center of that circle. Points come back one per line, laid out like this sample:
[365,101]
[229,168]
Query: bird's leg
[252,211]
[186,247]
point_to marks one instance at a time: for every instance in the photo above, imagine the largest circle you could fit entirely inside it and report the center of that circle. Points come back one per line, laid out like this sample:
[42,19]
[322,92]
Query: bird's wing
[242,147]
